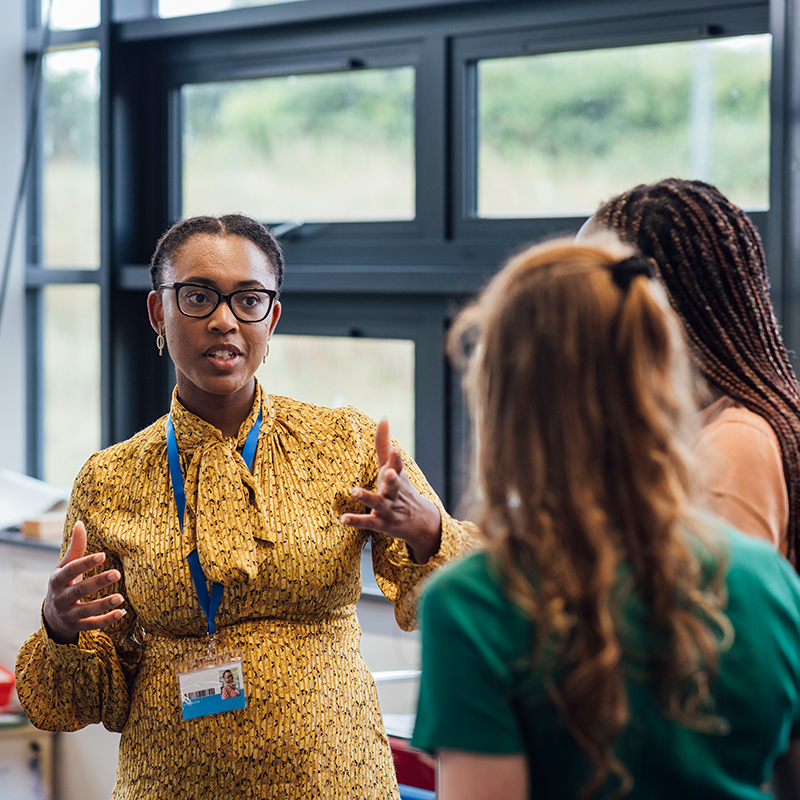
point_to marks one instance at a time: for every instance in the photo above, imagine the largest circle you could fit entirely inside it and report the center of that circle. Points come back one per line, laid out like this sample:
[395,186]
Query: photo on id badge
[212,688]
[229,683]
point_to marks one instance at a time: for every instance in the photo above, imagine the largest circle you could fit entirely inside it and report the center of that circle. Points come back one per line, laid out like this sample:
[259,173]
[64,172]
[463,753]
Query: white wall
[12,330]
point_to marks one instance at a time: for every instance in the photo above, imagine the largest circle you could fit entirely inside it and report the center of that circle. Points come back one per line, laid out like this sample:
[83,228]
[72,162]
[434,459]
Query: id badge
[212,686]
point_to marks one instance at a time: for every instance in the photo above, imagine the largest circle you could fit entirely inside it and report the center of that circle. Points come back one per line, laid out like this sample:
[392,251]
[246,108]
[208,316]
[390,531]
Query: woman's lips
[223,357]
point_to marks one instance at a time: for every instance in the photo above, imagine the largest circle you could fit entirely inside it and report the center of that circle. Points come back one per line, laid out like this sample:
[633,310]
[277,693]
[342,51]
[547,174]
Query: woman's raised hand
[65,613]
[397,508]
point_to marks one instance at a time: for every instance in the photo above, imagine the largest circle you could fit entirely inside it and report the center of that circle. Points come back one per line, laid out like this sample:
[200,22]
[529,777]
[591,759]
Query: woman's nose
[223,318]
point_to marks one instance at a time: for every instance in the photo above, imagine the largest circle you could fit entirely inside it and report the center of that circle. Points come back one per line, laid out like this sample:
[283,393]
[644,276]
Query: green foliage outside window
[332,147]
[71,168]
[566,130]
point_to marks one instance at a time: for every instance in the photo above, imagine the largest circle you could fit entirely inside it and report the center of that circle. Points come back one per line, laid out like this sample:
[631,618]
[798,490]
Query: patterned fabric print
[291,571]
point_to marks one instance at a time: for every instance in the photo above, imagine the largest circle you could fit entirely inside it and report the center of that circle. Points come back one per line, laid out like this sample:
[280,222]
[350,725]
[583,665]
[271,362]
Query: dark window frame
[575,37]
[434,262]
[292,62]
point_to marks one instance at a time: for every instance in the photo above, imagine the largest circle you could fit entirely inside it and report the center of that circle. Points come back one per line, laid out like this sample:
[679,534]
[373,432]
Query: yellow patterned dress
[291,575]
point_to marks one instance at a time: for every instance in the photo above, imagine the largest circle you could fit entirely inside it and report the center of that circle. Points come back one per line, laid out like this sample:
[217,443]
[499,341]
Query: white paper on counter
[23,497]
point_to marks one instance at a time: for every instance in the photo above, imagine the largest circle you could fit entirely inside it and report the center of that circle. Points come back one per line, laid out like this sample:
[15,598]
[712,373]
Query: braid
[228,225]
[709,256]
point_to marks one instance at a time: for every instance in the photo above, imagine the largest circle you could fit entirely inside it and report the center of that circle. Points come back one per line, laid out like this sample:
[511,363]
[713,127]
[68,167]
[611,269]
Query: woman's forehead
[220,258]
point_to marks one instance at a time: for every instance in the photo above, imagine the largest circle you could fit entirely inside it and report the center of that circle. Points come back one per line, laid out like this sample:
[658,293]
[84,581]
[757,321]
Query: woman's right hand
[65,613]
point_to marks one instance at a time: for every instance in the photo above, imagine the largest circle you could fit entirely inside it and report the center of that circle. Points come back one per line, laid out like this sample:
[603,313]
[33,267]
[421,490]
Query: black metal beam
[456,15]
[784,231]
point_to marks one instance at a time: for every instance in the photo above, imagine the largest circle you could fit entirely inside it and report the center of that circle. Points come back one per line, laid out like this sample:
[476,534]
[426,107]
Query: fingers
[66,613]
[104,621]
[95,615]
[100,613]
[72,572]
[388,456]
[395,460]
[66,610]
[383,445]
[380,500]
[389,486]
[75,563]
[90,586]
[77,544]
[364,521]
[372,500]
[384,511]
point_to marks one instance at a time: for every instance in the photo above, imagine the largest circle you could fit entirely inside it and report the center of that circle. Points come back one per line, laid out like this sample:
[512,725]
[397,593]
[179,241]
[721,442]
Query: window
[560,132]
[177,8]
[71,14]
[410,145]
[333,147]
[71,379]
[374,375]
[64,255]
[71,159]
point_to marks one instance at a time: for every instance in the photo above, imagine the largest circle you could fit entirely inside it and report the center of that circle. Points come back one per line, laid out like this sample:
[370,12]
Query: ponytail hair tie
[623,272]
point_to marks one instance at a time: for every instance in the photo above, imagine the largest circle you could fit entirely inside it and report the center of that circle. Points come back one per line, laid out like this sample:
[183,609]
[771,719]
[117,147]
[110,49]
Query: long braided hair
[709,257]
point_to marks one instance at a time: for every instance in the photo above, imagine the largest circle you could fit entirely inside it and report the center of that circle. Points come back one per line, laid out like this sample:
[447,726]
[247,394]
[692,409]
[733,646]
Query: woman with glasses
[228,536]
[609,642]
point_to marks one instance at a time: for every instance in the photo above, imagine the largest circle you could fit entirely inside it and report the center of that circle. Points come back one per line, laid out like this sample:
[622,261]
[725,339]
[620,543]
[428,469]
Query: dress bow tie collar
[225,510]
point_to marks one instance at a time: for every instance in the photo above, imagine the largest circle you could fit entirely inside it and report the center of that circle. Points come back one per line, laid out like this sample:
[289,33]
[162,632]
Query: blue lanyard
[209,603]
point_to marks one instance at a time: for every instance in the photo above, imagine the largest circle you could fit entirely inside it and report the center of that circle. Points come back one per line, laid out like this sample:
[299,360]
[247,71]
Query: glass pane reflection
[71,144]
[561,132]
[69,15]
[180,8]
[71,379]
[374,375]
[333,147]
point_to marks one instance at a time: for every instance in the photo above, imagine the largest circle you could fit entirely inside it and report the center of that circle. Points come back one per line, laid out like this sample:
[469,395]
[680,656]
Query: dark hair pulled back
[227,225]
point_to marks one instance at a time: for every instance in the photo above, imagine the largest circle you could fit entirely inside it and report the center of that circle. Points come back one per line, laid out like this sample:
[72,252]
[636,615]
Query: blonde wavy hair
[582,399]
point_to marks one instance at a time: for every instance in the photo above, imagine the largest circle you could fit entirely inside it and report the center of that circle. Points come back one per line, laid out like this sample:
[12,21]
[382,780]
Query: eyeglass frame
[271,293]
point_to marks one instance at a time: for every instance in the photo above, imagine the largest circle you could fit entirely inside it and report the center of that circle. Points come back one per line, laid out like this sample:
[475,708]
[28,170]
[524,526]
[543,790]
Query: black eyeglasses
[247,305]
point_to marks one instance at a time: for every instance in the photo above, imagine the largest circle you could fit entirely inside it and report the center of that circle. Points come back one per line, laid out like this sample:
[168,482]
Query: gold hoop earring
[264,360]
[160,342]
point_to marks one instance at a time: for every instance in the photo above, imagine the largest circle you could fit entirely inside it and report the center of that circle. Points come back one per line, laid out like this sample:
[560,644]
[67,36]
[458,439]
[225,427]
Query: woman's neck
[706,395]
[226,412]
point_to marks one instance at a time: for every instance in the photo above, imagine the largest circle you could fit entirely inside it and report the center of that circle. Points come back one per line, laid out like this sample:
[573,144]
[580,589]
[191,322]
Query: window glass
[374,375]
[71,159]
[180,8]
[559,133]
[71,379]
[333,147]
[67,15]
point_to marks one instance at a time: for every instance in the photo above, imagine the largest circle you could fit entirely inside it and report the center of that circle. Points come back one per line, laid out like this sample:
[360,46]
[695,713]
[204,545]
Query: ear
[276,315]
[155,311]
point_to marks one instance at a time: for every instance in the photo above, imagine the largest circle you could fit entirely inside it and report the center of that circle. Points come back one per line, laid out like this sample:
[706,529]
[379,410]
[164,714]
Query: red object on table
[414,768]
[6,686]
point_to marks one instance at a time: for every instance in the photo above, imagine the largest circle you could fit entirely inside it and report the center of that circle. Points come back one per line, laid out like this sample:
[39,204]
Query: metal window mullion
[34,298]
[783,240]
[106,222]
[431,140]
[175,157]
[34,381]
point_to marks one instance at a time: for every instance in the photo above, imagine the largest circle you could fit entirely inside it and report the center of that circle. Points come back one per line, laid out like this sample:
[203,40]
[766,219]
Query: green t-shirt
[477,695]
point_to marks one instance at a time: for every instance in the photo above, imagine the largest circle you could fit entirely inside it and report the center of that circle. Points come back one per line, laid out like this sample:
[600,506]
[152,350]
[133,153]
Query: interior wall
[12,327]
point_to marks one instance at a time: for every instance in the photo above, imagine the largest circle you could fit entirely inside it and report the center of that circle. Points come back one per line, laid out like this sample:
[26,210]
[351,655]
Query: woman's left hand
[397,508]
